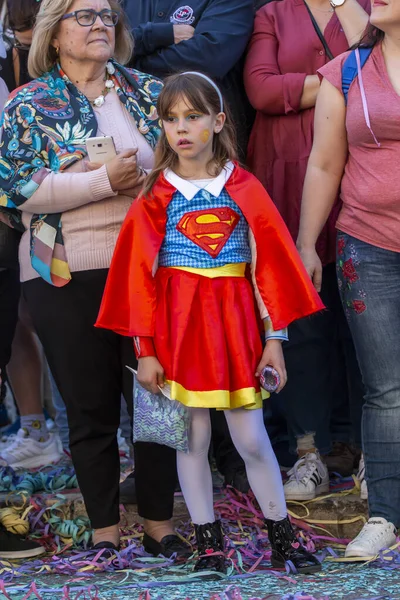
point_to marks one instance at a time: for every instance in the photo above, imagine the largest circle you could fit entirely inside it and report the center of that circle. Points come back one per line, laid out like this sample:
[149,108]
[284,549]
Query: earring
[57,50]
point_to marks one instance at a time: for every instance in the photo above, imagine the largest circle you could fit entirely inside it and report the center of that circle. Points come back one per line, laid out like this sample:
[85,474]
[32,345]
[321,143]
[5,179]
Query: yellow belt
[232,270]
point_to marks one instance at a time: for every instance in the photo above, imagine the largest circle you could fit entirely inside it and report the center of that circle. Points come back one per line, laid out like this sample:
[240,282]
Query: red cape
[129,300]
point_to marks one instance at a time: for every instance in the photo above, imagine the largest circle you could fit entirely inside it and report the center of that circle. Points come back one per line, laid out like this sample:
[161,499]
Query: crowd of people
[240,128]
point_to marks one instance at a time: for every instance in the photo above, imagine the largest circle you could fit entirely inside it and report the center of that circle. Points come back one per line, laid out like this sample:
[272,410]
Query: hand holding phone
[122,171]
[100,149]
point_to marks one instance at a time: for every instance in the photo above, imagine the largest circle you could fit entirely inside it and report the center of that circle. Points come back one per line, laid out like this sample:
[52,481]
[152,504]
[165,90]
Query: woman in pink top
[71,212]
[357,147]
[281,80]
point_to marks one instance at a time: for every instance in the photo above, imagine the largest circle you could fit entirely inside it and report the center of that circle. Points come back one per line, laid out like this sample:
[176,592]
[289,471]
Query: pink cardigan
[92,212]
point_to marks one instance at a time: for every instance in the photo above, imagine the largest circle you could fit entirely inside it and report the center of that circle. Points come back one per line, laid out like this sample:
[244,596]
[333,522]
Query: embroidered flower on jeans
[353,254]
[359,306]
[341,244]
[349,271]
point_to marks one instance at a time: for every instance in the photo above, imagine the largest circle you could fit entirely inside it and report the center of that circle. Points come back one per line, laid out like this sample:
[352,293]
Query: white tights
[252,442]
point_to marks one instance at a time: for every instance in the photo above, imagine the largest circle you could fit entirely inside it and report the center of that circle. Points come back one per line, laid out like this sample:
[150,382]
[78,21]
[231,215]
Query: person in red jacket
[291,40]
[200,247]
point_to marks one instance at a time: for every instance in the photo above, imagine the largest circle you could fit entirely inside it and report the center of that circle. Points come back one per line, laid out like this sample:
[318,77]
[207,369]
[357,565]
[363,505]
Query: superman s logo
[210,229]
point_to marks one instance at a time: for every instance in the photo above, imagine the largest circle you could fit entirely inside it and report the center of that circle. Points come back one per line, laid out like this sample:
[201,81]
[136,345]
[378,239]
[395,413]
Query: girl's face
[190,133]
[385,14]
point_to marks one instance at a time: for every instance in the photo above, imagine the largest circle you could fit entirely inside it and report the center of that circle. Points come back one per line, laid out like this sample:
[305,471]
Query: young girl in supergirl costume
[200,249]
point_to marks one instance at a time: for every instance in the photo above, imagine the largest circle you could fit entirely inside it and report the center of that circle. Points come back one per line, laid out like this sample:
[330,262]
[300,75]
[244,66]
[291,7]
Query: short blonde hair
[42,55]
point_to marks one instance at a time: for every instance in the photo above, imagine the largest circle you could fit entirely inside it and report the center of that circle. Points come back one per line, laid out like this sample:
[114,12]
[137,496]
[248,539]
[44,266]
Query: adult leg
[25,372]
[372,306]
[155,468]
[25,367]
[85,363]
[61,419]
[307,396]
[9,299]
[347,397]
[369,280]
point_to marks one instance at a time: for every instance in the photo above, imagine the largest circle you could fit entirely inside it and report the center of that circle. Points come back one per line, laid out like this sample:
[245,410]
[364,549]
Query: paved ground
[348,582]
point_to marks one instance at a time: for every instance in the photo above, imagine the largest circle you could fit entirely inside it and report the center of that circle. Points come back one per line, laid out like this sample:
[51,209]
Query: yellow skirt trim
[231,270]
[220,399]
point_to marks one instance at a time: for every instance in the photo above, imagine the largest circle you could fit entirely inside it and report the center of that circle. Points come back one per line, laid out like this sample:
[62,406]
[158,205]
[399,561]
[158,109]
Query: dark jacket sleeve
[149,37]
[220,38]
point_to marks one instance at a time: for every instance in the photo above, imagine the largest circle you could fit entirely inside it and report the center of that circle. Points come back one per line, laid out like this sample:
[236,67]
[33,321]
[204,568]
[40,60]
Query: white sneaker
[26,453]
[307,479]
[7,440]
[361,479]
[376,535]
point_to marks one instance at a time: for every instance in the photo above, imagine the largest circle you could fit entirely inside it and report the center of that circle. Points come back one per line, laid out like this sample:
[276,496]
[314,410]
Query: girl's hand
[273,356]
[150,374]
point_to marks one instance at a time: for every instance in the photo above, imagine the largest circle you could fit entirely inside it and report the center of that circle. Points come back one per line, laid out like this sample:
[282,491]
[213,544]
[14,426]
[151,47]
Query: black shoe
[286,547]
[15,547]
[238,480]
[169,545]
[127,490]
[210,544]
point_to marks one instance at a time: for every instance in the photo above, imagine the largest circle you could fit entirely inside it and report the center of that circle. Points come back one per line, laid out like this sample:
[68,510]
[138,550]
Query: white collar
[189,190]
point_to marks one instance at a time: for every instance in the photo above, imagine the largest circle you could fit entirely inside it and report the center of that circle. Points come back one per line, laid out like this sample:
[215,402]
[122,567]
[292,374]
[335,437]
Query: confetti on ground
[72,572]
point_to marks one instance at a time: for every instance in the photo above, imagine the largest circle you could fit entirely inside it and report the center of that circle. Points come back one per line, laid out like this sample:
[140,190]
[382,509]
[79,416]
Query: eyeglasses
[87,17]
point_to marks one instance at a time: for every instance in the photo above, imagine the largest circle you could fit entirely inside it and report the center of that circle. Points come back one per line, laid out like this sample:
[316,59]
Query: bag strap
[319,33]
[350,71]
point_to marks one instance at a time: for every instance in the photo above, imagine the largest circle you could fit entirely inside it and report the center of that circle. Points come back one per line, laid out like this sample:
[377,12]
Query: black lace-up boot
[210,544]
[287,548]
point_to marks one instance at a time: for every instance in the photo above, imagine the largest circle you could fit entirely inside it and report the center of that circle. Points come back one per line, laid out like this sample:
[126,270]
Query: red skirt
[208,340]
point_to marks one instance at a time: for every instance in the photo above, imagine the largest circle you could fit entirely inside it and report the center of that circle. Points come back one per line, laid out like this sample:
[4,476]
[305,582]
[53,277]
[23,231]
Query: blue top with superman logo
[204,231]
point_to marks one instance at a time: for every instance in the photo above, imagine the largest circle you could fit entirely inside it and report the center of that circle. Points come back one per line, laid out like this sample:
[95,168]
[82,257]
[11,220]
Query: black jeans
[324,392]
[88,365]
[9,301]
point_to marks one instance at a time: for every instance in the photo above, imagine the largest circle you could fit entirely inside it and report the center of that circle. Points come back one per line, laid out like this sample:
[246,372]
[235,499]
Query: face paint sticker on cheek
[205,136]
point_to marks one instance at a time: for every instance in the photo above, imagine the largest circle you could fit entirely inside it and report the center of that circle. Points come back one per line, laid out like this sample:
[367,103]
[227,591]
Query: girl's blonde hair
[200,95]
[42,55]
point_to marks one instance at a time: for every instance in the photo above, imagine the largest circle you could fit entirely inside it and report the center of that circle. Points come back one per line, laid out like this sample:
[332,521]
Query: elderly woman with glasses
[71,211]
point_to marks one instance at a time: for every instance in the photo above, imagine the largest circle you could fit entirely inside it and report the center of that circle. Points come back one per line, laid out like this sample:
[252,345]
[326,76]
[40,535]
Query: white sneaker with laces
[361,479]
[26,453]
[376,535]
[307,479]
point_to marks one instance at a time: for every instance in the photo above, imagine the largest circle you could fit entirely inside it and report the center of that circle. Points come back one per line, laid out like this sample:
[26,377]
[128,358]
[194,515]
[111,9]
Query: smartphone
[270,379]
[100,149]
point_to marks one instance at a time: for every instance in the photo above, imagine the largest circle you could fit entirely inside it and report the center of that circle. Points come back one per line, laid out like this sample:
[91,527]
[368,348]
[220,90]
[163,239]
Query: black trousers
[9,301]
[88,365]
[324,392]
